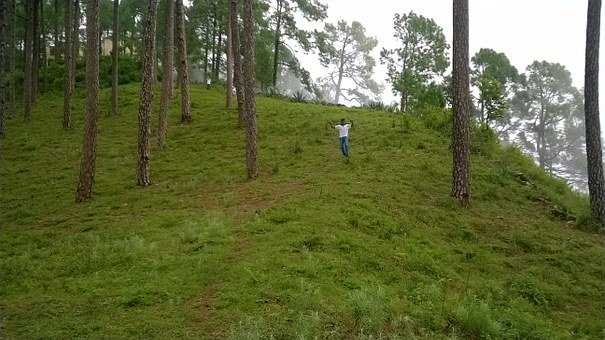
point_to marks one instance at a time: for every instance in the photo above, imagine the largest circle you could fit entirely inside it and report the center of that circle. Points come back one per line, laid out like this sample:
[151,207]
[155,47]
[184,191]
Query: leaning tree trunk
[461,134]
[69,70]
[4,69]
[237,58]
[229,85]
[249,84]
[596,182]
[167,64]
[183,68]
[146,96]
[115,54]
[87,168]
[29,59]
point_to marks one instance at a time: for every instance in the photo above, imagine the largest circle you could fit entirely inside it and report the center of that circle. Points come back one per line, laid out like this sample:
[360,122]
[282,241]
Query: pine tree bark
[146,96]
[29,59]
[213,48]
[167,65]
[237,58]
[183,68]
[36,51]
[596,182]
[218,55]
[277,42]
[75,42]
[56,31]
[462,100]
[87,168]
[229,85]
[249,85]
[69,70]
[115,53]
[206,56]
[4,61]
[43,52]
[12,59]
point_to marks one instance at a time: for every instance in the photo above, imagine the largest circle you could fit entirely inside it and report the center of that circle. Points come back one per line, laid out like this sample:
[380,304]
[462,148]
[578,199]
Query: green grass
[315,248]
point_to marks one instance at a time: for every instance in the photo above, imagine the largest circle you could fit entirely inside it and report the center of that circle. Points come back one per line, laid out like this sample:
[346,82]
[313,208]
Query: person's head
[342,121]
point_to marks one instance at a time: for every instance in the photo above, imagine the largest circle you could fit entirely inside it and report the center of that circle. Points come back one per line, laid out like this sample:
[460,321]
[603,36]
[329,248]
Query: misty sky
[526,30]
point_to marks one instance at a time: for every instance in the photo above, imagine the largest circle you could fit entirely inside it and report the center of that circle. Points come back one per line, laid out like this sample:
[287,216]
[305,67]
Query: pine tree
[115,53]
[29,59]
[75,42]
[69,65]
[462,101]
[36,51]
[12,111]
[56,30]
[183,68]
[4,60]
[87,168]
[167,64]
[596,182]
[237,57]
[249,95]
[146,95]
[229,84]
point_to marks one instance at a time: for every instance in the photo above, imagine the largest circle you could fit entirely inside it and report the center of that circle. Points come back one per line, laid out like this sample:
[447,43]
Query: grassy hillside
[315,248]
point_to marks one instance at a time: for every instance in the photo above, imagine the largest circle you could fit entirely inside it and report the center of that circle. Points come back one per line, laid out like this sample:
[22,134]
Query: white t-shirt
[343,130]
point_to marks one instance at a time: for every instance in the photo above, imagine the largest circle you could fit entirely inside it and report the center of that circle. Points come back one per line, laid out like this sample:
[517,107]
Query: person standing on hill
[343,133]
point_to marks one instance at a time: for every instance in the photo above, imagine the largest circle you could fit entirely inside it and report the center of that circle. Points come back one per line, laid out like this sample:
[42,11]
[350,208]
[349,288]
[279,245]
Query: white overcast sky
[526,30]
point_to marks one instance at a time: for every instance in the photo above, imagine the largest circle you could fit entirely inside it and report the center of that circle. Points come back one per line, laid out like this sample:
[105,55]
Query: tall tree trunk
[237,58]
[87,168]
[218,55]
[183,67]
[206,55]
[29,59]
[146,96]
[541,147]
[596,182]
[461,136]
[167,64]
[56,31]
[115,53]
[36,51]
[403,105]
[277,42]
[4,61]
[229,85]
[12,59]
[43,52]
[75,42]
[341,65]
[249,85]
[69,65]
[214,38]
